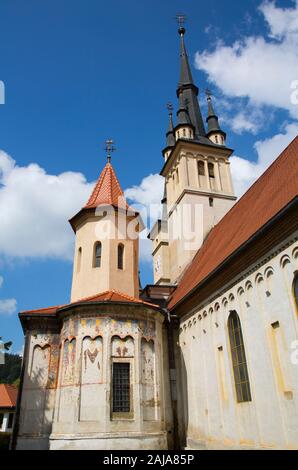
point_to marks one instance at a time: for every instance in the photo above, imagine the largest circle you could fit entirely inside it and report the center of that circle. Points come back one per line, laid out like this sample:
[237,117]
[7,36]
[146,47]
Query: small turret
[214,132]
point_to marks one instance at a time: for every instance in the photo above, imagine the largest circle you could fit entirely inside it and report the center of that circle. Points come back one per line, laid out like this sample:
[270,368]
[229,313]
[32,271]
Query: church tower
[107,241]
[198,185]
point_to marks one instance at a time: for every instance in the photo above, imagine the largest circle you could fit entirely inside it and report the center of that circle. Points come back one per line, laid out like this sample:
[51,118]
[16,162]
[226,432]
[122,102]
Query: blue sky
[76,73]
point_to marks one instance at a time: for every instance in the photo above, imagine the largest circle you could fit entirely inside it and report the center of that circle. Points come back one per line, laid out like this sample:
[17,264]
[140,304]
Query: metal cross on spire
[208,93]
[181,19]
[109,148]
[170,108]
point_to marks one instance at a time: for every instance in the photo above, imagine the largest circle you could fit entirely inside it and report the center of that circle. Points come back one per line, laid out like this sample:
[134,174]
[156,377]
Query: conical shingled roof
[107,191]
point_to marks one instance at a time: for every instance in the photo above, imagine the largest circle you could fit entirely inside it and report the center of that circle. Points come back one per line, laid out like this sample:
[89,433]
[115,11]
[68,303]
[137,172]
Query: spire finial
[181,19]
[170,108]
[208,94]
[109,148]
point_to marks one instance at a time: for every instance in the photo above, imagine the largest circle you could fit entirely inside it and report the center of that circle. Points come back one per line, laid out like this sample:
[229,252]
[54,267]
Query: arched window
[79,260]
[295,289]
[211,170]
[238,358]
[97,255]
[120,256]
[201,168]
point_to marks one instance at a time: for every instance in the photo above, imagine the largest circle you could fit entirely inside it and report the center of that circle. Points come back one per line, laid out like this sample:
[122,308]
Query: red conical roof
[107,190]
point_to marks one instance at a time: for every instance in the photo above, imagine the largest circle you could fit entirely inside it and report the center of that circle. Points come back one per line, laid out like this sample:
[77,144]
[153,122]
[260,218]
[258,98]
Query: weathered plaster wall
[78,413]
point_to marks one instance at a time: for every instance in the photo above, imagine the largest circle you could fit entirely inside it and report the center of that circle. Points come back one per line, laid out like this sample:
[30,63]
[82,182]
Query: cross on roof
[181,19]
[109,148]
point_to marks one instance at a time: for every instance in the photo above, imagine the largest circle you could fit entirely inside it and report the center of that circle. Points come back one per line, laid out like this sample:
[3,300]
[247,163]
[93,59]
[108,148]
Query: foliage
[11,369]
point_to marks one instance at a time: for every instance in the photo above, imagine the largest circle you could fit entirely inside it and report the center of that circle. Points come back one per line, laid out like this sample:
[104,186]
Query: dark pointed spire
[185,72]
[188,90]
[212,118]
[170,133]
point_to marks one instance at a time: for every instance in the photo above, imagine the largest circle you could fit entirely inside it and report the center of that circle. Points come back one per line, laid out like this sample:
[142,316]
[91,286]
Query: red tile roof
[108,296]
[8,396]
[107,190]
[265,198]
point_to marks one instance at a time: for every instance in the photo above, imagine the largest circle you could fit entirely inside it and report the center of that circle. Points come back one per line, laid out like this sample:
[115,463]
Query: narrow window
[79,259]
[238,358]
[295,289]
[216,139]
[121,387]
[97,255]
[120,256]
[211,170]
[201,168]
[177,175]
[10,420]
[1,419]
[211,201]
[184,132]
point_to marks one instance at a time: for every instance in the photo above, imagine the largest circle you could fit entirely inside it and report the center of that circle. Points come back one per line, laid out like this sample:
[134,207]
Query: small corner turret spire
[109,148]
[215,133]
[170,133]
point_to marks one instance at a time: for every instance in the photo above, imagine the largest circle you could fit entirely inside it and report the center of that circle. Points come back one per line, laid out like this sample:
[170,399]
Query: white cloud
[8,306]
[260,68]
[148,194]
[245,172]
[146,198]
[35,207]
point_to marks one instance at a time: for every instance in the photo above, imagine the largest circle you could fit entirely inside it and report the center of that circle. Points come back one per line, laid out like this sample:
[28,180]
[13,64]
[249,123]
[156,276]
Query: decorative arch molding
[269,271]
[295,252]
[148,379]
[40,365]
[68,361]
[122,347]
[259,278]
[284,260]
[92,359]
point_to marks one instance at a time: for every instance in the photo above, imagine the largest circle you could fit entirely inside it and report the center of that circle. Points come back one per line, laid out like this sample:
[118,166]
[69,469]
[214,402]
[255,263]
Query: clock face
[157,264]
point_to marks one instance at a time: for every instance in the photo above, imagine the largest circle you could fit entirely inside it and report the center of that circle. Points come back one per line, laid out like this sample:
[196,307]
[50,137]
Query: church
[204,358]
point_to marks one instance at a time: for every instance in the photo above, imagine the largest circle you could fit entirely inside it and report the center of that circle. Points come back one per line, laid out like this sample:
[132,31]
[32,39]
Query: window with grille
[238,358]
[121,387]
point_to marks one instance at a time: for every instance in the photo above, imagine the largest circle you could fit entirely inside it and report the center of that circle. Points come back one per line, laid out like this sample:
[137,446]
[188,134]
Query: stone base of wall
[113,441]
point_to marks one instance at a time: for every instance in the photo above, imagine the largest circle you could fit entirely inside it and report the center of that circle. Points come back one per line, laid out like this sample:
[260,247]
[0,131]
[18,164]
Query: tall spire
[188,90]
[212,118]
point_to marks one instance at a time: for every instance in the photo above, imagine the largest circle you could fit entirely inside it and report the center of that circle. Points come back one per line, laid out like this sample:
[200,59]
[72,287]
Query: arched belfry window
[120,256]
[295,289]
[97,255]
[201,168]
[211,170]
[238,358]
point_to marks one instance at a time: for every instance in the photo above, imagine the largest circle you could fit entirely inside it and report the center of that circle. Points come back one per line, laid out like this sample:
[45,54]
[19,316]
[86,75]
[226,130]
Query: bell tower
[107,240]
[198,185]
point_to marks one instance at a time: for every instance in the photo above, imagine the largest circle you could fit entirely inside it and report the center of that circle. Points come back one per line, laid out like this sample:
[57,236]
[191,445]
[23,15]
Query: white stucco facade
[211,416]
